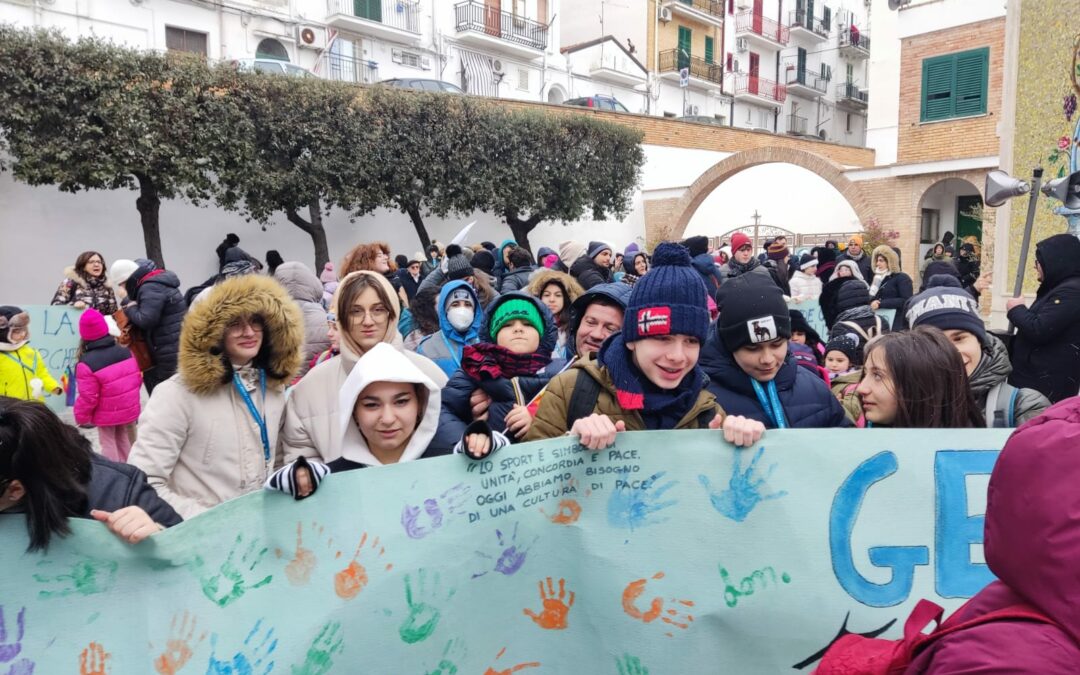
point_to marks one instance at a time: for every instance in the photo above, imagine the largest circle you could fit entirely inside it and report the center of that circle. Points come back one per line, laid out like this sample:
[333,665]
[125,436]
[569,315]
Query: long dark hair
[84,257]
[51,460]
[931,386]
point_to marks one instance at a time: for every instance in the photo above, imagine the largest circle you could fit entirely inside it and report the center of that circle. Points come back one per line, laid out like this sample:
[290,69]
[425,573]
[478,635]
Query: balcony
[491,29]
[762,32]
[853,43]
[397,20]
[704,11]
[850,97]
[612,65]
[796,126]
[703,75]
[758,90]
[808,26]
[341,68]
[806,83]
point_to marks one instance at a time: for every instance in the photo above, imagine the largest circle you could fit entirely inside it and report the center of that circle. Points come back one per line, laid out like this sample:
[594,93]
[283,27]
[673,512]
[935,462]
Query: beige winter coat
[311,425]
[198,443]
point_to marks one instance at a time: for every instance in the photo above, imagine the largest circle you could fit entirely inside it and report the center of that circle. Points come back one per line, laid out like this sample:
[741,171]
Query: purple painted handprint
[420,522]
[9,651]
[509,558]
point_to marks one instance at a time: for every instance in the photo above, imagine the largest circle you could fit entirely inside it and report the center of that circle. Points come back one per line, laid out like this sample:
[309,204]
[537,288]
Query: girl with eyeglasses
[86,285]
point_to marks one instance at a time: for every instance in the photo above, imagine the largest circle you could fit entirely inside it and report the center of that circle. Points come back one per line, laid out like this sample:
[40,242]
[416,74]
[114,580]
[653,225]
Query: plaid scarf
[489,361]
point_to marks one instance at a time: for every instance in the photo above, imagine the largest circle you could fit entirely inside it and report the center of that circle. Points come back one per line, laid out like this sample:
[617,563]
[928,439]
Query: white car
[273,66]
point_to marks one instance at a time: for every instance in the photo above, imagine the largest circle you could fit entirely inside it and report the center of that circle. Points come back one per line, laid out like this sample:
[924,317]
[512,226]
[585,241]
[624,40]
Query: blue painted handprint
[633,505]
[253,658]
[509,557]
[744,491]
[9,651]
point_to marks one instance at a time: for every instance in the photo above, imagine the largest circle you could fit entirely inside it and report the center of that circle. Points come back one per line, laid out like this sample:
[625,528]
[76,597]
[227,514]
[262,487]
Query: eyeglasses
[238,328]
[378,314]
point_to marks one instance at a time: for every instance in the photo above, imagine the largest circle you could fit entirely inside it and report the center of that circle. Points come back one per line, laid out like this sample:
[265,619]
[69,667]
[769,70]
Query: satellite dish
[897,4]
[1001,187]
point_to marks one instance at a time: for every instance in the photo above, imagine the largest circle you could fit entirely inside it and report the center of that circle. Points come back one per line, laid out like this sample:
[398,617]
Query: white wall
[927,17]
[942,196]
[884,111]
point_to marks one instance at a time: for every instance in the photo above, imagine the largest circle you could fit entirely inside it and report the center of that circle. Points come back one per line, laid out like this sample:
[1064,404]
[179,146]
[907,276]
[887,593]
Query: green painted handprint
[453,652]
[229,583]
[85,576]
[319,657]
[631,665]
[423,614]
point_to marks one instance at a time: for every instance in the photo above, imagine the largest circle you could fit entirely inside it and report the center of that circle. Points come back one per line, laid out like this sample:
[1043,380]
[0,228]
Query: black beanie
[946,308]
[851,294]
[801,325]
[483,260]
[848,345]
[752,310]
[697,245]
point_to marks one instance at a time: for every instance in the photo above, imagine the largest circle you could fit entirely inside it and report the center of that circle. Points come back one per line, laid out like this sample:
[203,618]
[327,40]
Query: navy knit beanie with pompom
[669,300]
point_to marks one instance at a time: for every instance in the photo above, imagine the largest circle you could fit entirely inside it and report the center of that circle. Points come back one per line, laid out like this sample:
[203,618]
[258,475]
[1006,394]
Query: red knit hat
[92,325]
[738,240]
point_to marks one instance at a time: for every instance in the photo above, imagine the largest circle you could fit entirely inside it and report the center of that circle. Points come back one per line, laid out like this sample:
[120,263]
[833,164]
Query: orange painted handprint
[556,607]
[94,660]
[180,646]
[569,510]
[676,614]
[350,581]
[513,669]
[303,561]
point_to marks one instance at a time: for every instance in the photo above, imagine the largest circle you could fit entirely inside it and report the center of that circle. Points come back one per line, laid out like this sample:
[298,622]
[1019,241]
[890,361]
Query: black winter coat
[589,274]
[807,401]
[114,485]
[894,293]
[406,281]
[158,310]
[516,280]
[865,266]
[1046,349]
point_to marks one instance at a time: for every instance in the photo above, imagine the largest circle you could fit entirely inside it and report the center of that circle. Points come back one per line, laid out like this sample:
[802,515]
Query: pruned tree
[92,115]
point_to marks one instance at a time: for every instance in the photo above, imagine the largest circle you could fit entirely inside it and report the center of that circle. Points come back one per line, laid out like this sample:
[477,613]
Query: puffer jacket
[589,274]
[94,293]
[18,367]
[115,485]
[311,421]
[895,288]
[843,388]
[446,347]
[863,263]
[710,273]
[516,280]
[158,309]
[804,287]
[806,399]
[457,413]
[550,420]
[993,369]
[306,289]
[108,382]
[1032,545]
[198,442]
[1046,349]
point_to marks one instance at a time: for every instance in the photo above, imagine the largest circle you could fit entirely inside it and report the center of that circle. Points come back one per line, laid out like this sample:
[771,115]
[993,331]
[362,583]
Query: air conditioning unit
[741,45]
[664,14]
[311,37]
[497,68]
[692,110]
[743,5]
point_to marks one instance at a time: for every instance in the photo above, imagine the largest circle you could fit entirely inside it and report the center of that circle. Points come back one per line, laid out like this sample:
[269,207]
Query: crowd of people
[274,376]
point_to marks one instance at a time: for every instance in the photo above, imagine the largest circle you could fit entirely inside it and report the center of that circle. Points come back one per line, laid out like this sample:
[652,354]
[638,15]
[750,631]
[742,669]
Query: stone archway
[668,218]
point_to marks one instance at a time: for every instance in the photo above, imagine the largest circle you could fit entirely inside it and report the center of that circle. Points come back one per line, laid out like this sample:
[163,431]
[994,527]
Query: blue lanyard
[456,355]
[773,410]
[253,410]
[23,363]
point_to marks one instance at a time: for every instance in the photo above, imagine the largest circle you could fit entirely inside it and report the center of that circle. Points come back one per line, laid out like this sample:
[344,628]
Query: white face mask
[460,318]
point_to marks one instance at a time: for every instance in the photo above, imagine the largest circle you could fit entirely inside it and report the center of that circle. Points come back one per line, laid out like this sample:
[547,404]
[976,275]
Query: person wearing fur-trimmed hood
[210,432]
[85,285]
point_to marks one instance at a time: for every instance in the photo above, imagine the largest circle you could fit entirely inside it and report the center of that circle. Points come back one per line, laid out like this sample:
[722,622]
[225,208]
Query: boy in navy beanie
[648,375]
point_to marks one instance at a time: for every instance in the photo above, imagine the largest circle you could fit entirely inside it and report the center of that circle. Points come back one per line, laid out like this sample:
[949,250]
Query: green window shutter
[826,18]
[685,41]
[809,23]
[708,49]
[938,79]
[368,9]
[800,68]
[971,82]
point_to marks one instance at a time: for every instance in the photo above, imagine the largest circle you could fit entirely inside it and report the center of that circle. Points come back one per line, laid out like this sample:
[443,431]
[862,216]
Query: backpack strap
[1012,406]
[583,399]
[1001,406]
[1017,612]
[857,328]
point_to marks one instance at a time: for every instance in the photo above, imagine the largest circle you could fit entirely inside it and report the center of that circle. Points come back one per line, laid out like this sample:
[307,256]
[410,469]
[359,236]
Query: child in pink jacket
[108,381]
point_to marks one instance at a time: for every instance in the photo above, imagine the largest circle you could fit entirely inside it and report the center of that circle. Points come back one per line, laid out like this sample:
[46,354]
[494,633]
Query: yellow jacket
[17,368]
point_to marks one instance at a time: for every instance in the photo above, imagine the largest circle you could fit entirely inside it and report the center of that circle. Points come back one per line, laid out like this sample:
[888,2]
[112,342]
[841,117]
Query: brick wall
[949,139]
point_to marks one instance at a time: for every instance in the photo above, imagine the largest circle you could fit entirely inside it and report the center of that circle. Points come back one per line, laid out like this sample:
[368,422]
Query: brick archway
[670,220]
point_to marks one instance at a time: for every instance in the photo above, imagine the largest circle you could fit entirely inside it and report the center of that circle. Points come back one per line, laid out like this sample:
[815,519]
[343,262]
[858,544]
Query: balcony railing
[800,18]
[853,37]
[400,14]
[759,86]
[849,92]
[476,17]
[341,68]
[796,125]
[748,22]
[672,60]
[809,79]
[714,7]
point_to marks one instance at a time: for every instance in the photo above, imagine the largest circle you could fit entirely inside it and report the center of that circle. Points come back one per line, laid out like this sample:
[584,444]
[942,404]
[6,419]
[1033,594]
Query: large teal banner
[669,553]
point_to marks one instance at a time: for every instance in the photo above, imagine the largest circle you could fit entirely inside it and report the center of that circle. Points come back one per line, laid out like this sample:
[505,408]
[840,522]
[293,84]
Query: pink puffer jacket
[108,381]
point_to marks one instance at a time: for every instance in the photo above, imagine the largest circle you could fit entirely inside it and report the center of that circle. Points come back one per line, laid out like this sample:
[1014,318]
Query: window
[368,9]
[931,225]
[826,18]
[686,37]
[523,79]
[708,49]
[183,40]
[730,62]
[847,127]
[850,74]
[730,6]
[954,85]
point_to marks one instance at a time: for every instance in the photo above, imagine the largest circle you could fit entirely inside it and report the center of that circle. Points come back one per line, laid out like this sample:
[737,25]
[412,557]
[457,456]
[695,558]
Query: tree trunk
[521,228]
[421,231]
[314,228]
[149,205]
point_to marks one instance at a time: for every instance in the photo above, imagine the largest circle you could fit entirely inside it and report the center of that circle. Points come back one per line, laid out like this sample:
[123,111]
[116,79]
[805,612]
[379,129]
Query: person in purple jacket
[1032,545]
[108,381]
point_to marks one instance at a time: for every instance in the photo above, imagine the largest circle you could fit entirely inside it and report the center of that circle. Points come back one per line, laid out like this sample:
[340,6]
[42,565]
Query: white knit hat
[120,271]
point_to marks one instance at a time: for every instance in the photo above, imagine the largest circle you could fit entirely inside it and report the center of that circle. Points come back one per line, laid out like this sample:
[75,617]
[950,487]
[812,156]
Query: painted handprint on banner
[11,650]
[350,581]
[630,665]
[511,670]
[303,559]
[253,658]
[453,653]
[423,596]
[84,576]
[180,645]
[745,488]
[635,504]
[556,607]
[673,612]
[94,660]
[236,575]
[420,521]
[569,510]
[319,658]
[509,556]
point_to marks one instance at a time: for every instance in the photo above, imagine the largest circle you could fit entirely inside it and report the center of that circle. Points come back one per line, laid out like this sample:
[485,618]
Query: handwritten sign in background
[672,552]
[54,332]
[811,310]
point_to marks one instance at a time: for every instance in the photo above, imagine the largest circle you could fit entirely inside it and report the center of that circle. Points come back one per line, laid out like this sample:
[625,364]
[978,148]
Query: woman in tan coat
[210,432]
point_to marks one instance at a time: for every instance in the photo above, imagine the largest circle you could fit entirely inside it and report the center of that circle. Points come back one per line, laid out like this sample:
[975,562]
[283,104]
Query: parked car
[423,85]
[598,102]
[702,119]
[272,66]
